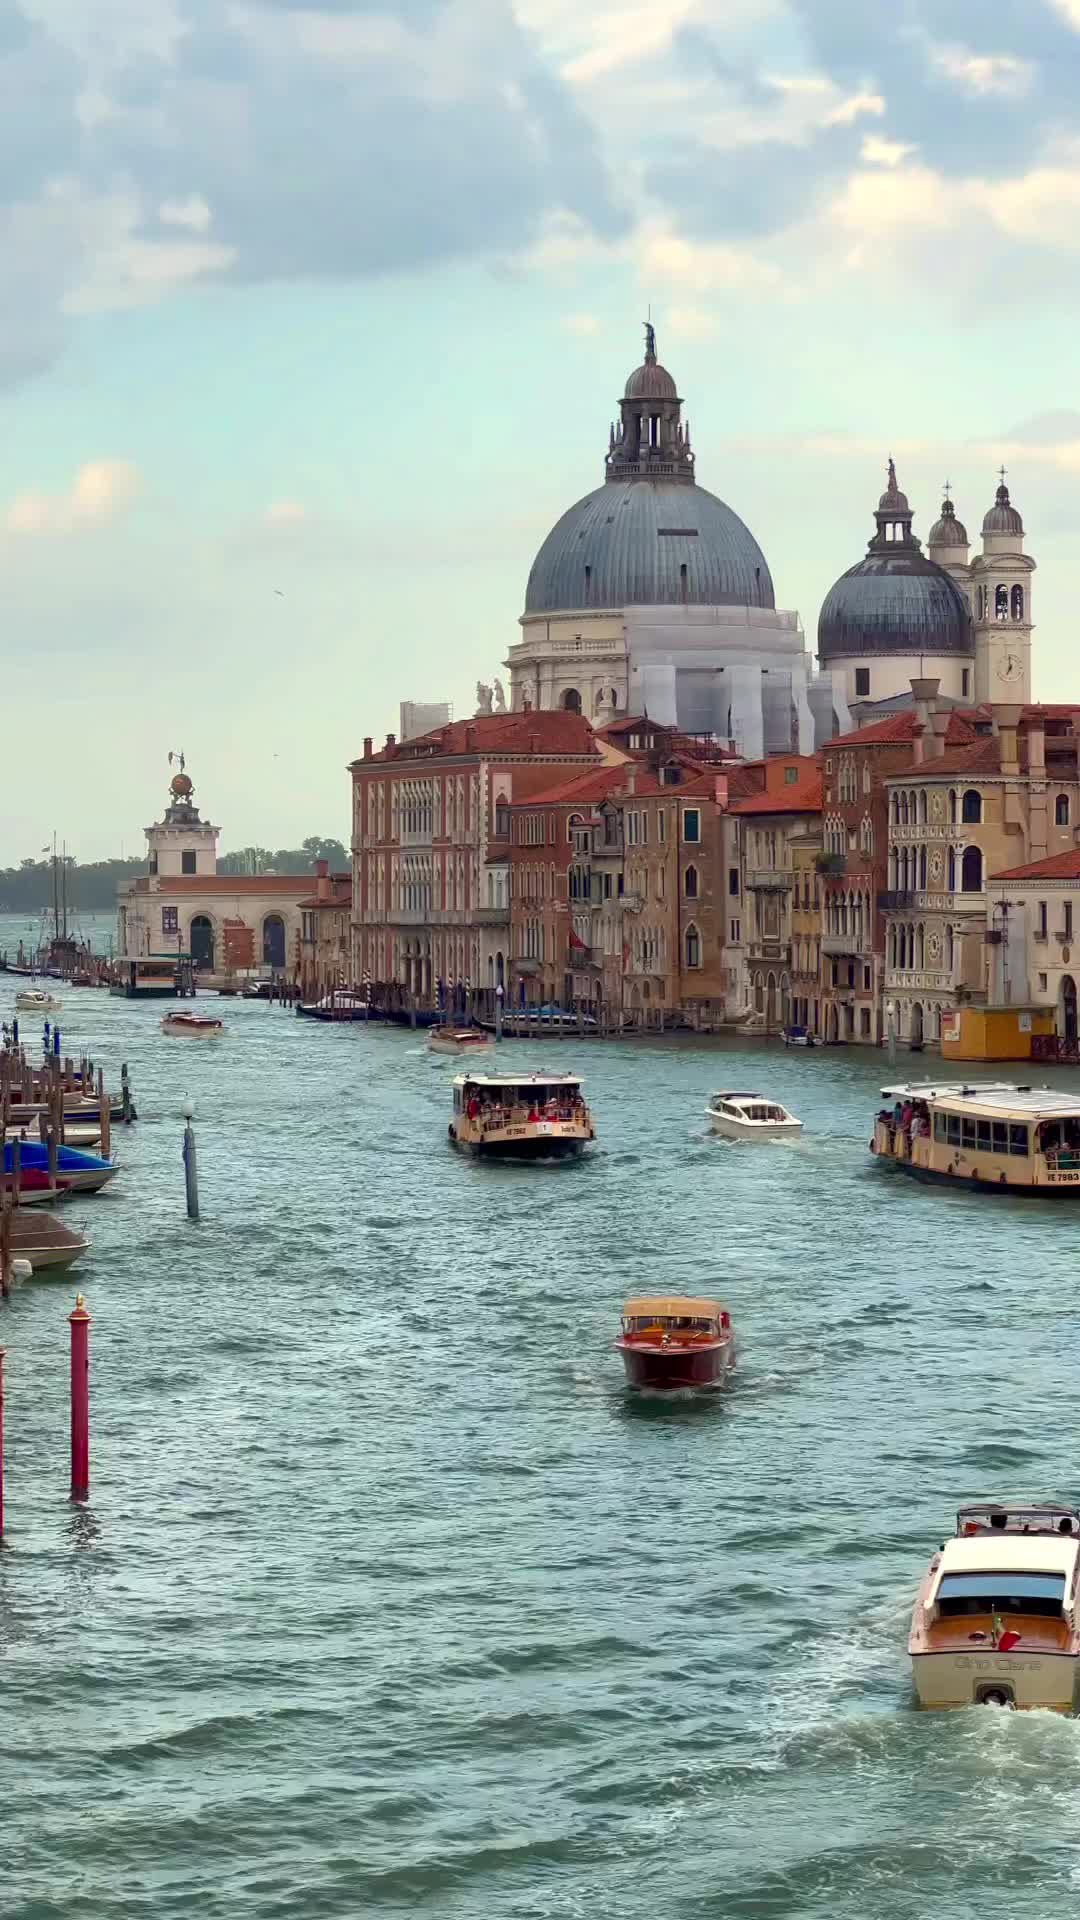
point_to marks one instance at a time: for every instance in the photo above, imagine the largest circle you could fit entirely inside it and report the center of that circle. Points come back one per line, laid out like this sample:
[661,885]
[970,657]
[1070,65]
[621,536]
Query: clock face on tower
[1010,668]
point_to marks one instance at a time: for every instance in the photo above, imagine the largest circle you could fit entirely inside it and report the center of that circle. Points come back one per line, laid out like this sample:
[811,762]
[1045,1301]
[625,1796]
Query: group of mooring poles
[79,1323]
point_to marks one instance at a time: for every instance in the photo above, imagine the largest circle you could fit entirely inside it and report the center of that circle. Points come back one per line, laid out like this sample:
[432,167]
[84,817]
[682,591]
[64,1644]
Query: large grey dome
[627,545]
[896,600]
[894,603]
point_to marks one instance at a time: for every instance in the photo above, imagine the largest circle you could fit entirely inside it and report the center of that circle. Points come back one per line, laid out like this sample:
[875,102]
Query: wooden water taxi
[45,1241]
[750,1116]
[523,1116]
[670,1342]
[996,1136]
[201,1026]
[459,1040]
[995,1618]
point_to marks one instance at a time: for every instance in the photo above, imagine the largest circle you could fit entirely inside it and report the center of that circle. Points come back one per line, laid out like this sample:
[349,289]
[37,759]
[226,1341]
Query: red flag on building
[575,942]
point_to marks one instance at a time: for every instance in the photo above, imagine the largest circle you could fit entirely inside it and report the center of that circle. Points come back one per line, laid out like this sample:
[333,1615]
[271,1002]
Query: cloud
[285,513]
[150,144]
[100,490]
[585,325]
[985,73]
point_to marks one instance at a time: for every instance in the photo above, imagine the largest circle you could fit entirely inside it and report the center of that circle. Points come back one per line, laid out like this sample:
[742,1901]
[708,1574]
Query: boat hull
[204,1030]
[1011,1189]
[533,1147]
[656,1369]
[755,1130]
[1027,1680]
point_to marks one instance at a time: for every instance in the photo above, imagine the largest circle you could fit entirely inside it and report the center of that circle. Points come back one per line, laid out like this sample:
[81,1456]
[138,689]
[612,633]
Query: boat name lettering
[966,1662]
[1061,1179]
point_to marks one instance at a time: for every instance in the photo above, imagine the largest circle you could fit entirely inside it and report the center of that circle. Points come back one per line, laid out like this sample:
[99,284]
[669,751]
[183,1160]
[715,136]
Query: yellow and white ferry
[520,1115]
[1014,1139]
[995,1618]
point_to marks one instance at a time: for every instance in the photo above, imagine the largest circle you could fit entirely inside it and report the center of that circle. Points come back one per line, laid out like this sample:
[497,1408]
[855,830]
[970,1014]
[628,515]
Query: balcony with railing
[840,946]
[771,879]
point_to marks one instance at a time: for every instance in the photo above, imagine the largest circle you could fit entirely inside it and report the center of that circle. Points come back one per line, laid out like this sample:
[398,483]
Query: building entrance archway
[1067,1010]
[274,942]
[202,941]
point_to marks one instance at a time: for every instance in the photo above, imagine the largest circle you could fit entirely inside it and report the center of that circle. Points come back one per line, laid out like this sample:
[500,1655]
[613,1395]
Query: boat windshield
[991,1519]
[668,1323]
[1042,1593]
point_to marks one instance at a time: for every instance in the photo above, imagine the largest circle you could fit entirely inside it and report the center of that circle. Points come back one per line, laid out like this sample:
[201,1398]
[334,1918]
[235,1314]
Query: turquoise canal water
[389,1600]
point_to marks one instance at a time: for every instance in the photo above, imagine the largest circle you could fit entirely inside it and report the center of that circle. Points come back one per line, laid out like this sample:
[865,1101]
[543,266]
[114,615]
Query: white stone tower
[181,843]
[947,544]
[1001,606]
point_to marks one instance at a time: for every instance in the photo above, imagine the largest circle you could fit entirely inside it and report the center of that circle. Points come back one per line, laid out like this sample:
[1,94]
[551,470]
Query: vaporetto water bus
[520,1115]
[995,1136]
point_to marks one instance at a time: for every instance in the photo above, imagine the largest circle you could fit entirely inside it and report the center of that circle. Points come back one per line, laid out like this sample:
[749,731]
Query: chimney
[367,746]
[1006,723]
[390,741]
[322,882]
[918,744]
[935,745]
[924,694]
[721,791]
[631,778]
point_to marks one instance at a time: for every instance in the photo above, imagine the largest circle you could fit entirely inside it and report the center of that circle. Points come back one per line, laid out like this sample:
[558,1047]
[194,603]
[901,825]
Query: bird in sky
[279,593]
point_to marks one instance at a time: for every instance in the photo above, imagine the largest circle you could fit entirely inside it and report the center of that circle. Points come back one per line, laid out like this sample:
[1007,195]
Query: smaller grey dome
[948,531]
[1003,517]
[650,382]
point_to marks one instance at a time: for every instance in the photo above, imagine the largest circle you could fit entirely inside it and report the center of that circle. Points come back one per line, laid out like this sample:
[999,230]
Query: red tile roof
[1060,866]
[803,796]
[898,728]
[286,884]
[493,734]
[581,788]
[340,894]
[979,756]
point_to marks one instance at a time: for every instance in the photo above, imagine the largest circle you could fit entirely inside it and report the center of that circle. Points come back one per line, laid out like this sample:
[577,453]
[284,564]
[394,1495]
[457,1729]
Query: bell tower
[1001,606]
[181,842]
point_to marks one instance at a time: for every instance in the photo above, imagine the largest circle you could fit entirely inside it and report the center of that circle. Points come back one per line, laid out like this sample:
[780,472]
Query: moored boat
[76,1171]
[524,1116]
[799,1037]
[994,1136]
[995,1617]
[201,1026]
[673,1341]
[750,1116]
[45,1241]
[459,1040]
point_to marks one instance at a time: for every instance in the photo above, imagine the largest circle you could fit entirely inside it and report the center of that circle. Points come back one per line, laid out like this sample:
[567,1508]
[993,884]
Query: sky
[313,317]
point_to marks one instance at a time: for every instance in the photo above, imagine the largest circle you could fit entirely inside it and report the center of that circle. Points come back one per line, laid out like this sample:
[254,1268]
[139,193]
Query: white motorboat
[37,1000]
[459,1040]
[751,1116]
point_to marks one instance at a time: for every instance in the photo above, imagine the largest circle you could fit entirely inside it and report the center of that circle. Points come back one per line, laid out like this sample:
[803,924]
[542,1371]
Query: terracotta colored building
[431,847]
[325,932]
[772,821]
[552,889]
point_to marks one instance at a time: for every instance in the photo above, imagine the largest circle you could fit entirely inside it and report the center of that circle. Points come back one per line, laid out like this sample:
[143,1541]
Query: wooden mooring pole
[79,1322]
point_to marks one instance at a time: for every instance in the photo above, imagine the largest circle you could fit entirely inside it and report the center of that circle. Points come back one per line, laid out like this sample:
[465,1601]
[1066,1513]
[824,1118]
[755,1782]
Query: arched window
[692,946]
[903,948]
[952,869]
[922,806]
[570,700]
[971,808]
[1061,810]
[980,604]
[922,869]
[1001,603]
[1018,603]
[690,883]
[952,806]
[971,871]
[920,945]
[950,948]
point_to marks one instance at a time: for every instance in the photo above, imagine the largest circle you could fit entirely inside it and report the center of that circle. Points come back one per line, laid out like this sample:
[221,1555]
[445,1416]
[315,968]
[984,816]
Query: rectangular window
[983,1135]
[661,828]
[187,862]
[791,776]
[153,863]
[954,1129]
[862,680]
[965,681]
[1018,1140]
[733,882]
[1001,1136]
[1068,919]
[866,979]
[691,825]
[1042,983]
[969,1134]
[170,920]
[941,1131]
[864,1022]
[1040,928]
[735,933]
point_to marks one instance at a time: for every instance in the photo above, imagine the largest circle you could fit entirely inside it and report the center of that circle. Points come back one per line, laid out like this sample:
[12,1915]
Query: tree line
[91,886]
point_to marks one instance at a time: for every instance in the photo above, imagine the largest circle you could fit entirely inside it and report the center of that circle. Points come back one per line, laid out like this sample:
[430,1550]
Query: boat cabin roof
[563,1081]
[1030,1516]
[1009,1553]
[672,1306]
[994,1097]
[741,1099]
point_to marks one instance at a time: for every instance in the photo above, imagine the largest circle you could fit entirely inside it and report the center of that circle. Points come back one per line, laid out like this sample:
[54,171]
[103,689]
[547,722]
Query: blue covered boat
[76,1172]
